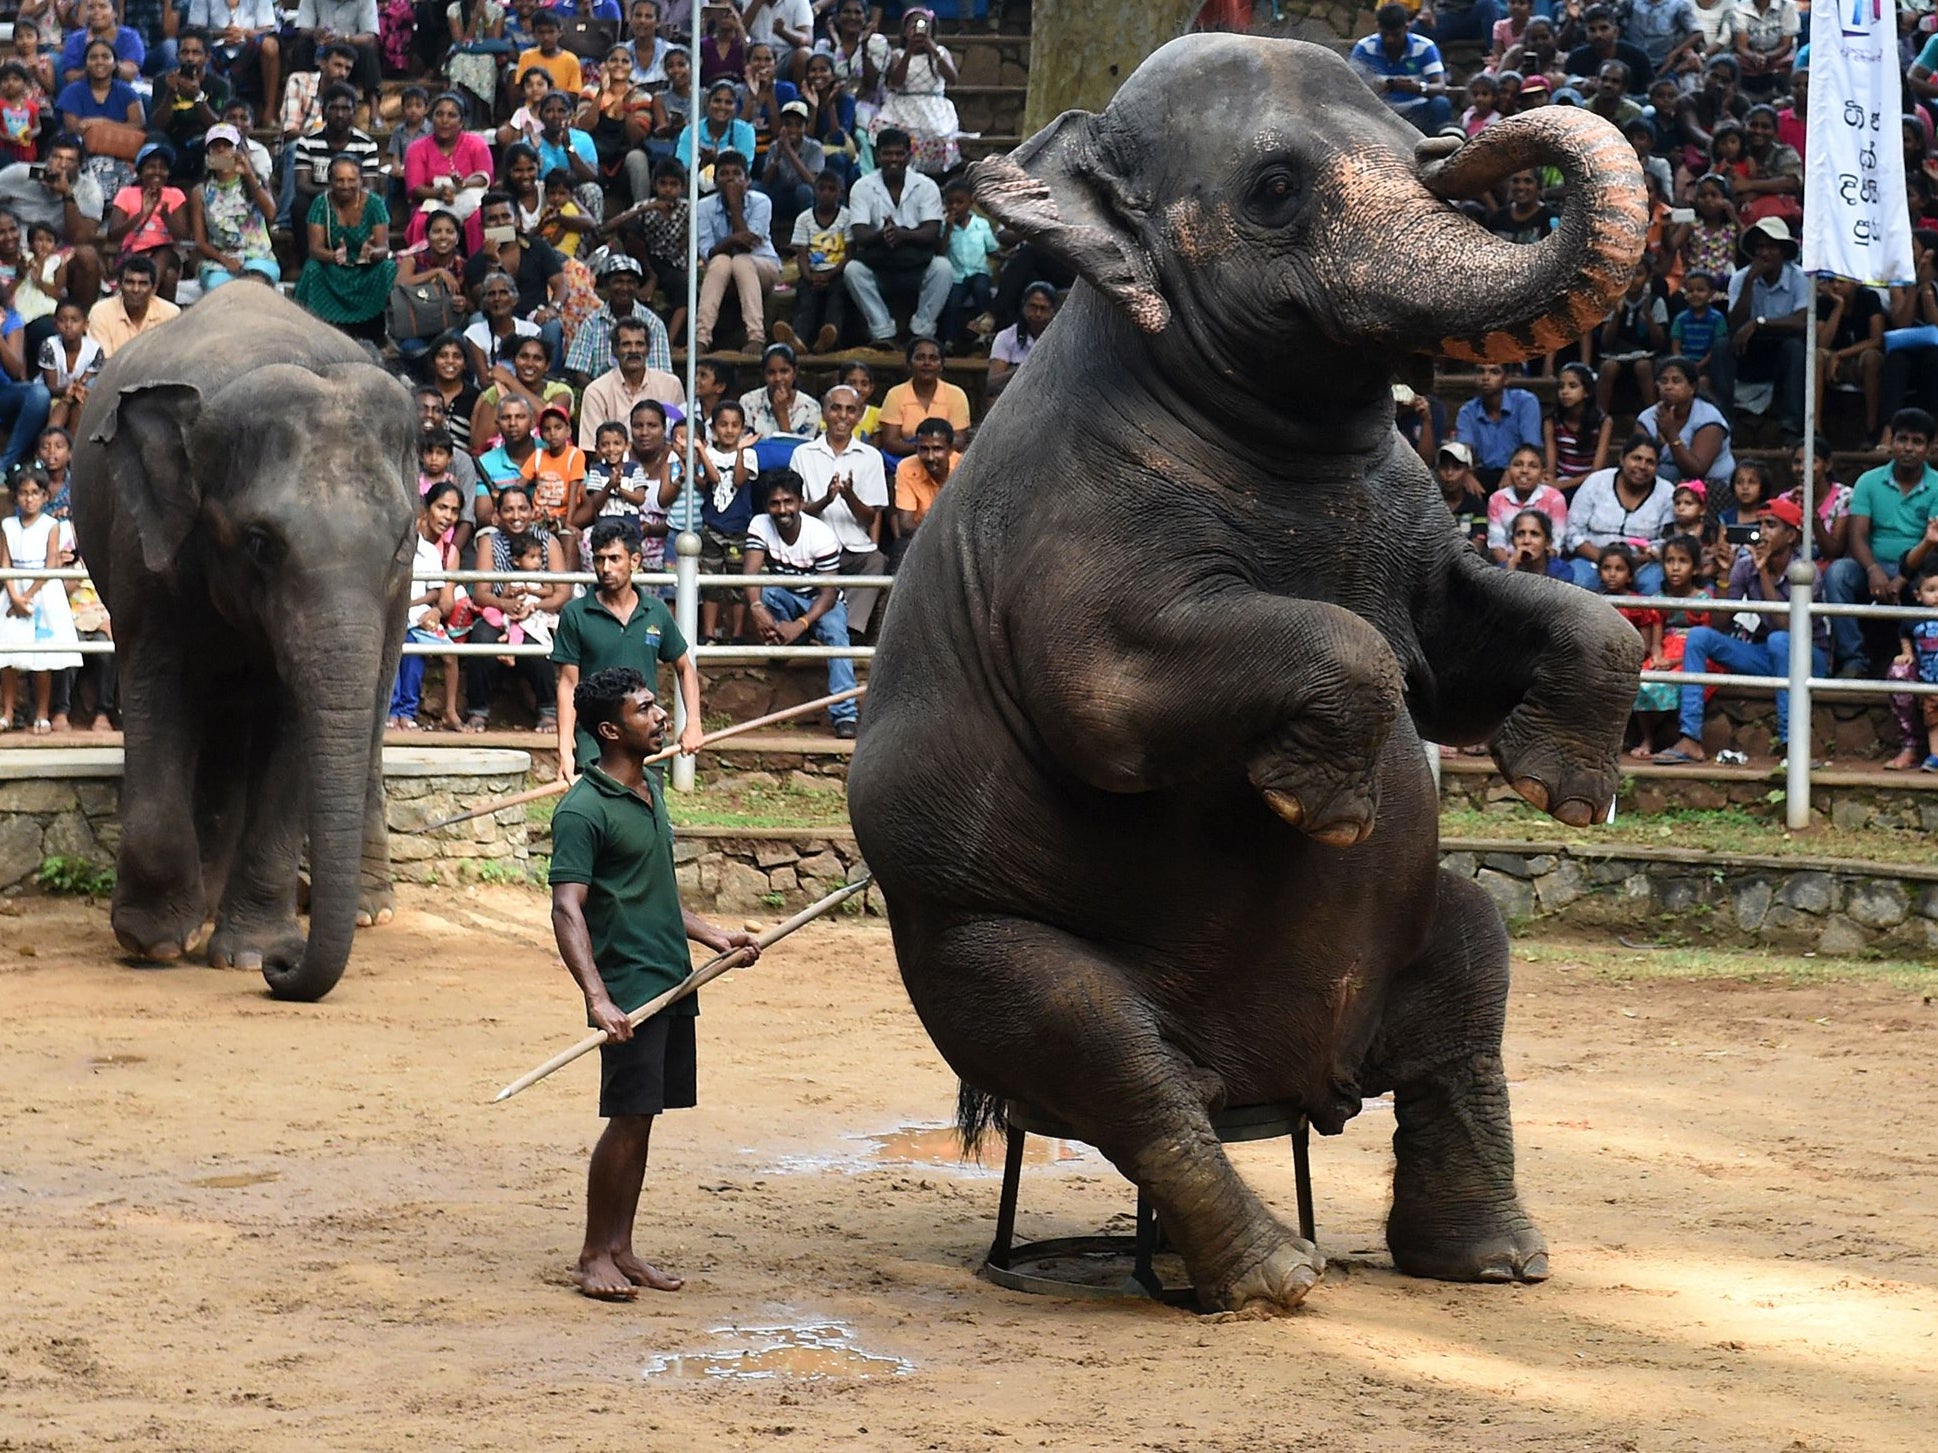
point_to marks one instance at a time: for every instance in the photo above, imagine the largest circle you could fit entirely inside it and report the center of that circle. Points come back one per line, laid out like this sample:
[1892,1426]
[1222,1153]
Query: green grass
[1617,963]
[738,805]
[1723,830]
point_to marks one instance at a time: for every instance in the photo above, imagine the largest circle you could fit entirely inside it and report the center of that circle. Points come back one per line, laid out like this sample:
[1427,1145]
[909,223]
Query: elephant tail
[976,1115]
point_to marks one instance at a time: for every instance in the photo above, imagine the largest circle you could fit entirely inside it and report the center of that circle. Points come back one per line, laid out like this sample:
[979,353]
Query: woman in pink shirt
[450,167]
[150,216]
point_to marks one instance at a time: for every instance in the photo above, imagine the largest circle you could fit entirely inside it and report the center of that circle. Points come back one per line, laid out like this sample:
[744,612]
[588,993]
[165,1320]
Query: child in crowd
[1698,328]
[1577,430]
[861,378]
[19,114]
[534,84]
[820,241]
[615,485]
[1617,571]
[1729,153]
[970,242]
[556,472]
[69,362]
[712,382]
[1635,331]
[1682,562]
[563,223]
[727,468]
[36,613]
[53,451]
[1521,489]
[414,125]
[1453,470]
[1917,660]
[1749,487]
[1508,33]
[1483,104]
[1689,521]
[527,555]
[1640,131]
[435,450]
[44,276]
[657,237]
[42,83]
[548,56]
[90,624]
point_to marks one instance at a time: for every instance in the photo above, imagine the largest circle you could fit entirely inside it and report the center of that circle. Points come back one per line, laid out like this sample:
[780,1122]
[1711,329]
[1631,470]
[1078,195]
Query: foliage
[1718,830]
[1754,965]
[78,876]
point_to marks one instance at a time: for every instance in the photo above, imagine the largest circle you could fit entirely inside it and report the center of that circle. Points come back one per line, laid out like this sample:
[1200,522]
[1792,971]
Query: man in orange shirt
[920,477]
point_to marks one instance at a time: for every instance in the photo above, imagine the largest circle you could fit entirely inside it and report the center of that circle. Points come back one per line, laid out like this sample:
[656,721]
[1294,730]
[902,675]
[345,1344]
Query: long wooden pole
[552,789]
[712,969]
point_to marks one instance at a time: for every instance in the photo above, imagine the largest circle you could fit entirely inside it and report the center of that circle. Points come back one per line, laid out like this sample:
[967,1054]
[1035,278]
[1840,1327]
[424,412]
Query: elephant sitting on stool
[1163,654]
[243,495]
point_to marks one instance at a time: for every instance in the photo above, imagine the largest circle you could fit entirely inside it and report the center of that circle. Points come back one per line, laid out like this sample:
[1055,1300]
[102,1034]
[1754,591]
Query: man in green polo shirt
[1890,506]
[617,626]
[621,931]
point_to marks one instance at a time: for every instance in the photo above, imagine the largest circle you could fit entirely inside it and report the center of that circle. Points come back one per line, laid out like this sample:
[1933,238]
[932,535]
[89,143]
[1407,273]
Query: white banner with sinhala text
[1855,222]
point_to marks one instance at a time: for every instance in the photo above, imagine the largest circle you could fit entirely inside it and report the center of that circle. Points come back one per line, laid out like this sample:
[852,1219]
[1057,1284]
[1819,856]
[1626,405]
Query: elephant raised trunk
[1438,282]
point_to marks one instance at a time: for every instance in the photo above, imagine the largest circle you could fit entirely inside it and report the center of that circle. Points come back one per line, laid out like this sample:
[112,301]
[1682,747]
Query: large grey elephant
[243,497]
[1141,771]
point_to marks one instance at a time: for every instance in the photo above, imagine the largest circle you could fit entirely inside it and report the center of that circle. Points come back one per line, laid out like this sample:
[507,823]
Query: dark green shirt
[621,848]
[590,637]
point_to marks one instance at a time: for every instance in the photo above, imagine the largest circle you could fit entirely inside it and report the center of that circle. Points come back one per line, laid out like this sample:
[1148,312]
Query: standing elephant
[242,495]
[1164,653]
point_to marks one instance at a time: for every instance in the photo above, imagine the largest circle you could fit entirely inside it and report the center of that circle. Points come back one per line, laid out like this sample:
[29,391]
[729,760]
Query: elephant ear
[1060,189]
[146,433]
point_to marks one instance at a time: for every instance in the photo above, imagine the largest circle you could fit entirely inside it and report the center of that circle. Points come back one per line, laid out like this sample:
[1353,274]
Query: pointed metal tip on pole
[504,1094]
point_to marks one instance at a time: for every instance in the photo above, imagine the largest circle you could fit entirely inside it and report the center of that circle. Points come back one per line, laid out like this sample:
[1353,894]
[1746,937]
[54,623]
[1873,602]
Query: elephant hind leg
[1456,1215]
[1027,1011]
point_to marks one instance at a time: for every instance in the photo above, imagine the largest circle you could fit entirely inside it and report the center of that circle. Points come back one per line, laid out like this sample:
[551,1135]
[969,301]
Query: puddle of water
[233,1182]
[108,1061]
[811,1350]
[929,1144]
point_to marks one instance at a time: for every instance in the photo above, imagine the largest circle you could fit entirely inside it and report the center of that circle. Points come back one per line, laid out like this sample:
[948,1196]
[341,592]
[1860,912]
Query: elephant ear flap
[146,433]
[1059,190]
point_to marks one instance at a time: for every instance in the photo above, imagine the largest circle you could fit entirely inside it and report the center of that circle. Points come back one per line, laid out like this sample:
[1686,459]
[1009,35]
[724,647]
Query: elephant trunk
[339,734]
[1415,273]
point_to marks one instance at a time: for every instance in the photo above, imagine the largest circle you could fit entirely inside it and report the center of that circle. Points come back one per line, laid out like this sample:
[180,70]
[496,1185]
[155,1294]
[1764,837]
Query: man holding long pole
[622,933]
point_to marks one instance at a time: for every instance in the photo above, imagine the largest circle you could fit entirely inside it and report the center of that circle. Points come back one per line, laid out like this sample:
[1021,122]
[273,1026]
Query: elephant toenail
[1495,1273]
[1286,805]
[248,960]
[1535,1268]
[1533,791]
[1575,813]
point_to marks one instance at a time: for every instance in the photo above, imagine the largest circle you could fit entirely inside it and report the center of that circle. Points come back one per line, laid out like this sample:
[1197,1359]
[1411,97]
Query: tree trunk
[1081,50]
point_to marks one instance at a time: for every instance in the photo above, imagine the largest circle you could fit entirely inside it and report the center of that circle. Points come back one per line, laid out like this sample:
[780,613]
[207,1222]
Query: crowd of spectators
[495,197]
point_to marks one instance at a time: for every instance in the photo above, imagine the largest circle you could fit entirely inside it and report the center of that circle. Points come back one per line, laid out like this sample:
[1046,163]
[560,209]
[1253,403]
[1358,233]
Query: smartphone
[37,170]
[1742,534]
[1682,215]
[499,236]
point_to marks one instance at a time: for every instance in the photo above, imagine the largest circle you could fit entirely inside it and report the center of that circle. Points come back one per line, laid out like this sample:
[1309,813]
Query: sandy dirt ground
[227,1223]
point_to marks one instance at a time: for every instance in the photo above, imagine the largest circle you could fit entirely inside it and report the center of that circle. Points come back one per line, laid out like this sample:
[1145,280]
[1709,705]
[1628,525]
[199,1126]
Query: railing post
[686,614]
[1802,576]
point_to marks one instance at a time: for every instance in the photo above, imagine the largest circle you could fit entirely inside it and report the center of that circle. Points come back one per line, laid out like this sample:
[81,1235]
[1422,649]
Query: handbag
[117,139]
[420,310]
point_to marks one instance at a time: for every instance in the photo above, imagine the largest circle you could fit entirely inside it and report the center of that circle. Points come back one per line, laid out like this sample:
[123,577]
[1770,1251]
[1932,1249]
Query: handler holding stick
[622,933]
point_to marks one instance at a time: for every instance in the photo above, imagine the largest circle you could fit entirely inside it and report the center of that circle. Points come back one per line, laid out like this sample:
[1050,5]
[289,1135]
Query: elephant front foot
[1335,804]
[1572,781]
[376,905]
[1450,1242]
[1271,1283]
[256,944]
[157,933]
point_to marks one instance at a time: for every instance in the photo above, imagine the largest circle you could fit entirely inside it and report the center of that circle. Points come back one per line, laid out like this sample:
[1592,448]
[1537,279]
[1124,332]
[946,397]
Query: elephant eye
[263,547]
[1274,193]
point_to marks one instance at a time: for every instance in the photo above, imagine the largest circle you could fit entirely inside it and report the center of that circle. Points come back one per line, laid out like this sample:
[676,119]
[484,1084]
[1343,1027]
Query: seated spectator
[239,115]
[228,216]
[591,352]
[915,99]
[31,51]
[720,130]
[98,23]
[476,31]
[897,223]
[24,399]
[831,117]
[1608,96]
[1667,32]
[1538,54]
[37,613]
[1910,374]
[820,240]
[783,540]
[1700,328]
[1495,422]
[649,447]
[1766,43]
[61,196]
[1530,538]
[924,394]
[1522,489]
[149,217]
[527,381]
[350,272]
[491,343]
[778,408]
[654,234]
[792,164]
[1761,572]
[845,486]
[1832,500]
[1446,21]
[727,468]
[759,99]
[1604,43]
[644,47]
[1629,503]
[97,107]
[1767,299]
[20,114]
[68,363]
[1774,187]
[116,321]
[969,242]
[449,170]
[1404,69]
[1506,35]
[567,225]
[615,486]
[340,22]
[611,397]
[1689,522]
[919,478]
[187,101]
[1850,344]
[1641,133]
[1716,24]
[1483,101]
[1634,332]
[513,519]
[532,265]
[1691,430]
[859,53]
[436,263]
[548,56]
[504,462]
[561,146]
[1891,510]
[1463,494]
[1525,218]
[308,160]
[1421,420]
[556,472]
[784,29]
[438,460]
[735,227]
[430,605]
[1576,433]
[302,103]
[618,116]
[1012,346]
[243,48]
[449,368]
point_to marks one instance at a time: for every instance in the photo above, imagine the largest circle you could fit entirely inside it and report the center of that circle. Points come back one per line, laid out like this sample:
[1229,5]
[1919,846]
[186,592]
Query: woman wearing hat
[918,76]
[150,216]
[228,215]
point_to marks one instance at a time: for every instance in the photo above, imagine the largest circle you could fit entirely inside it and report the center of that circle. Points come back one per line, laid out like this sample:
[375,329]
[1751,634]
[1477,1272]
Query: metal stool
[1244,1122]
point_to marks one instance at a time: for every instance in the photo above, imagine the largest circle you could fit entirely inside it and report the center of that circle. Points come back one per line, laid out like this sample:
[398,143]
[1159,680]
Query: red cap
[1787,510]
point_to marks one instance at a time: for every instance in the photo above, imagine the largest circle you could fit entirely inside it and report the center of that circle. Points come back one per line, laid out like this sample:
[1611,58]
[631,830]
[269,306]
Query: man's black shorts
[655,1070]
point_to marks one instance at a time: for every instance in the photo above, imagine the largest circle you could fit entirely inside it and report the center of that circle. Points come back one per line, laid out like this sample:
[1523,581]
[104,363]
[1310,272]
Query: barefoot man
[621,931]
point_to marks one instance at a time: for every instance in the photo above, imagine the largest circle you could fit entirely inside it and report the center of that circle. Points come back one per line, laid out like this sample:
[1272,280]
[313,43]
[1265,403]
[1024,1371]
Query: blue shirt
[496,469]
[1495,440]
[78,101]
[758,212]
[1780,299]
[970,247]
[1695,335]
[739,137]
[128,46]
[1421,62]
[552,158]
[1924,649]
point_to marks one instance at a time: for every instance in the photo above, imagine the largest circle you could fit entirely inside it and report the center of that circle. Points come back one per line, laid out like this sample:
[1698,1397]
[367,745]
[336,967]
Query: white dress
[922,109]
[50,623]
